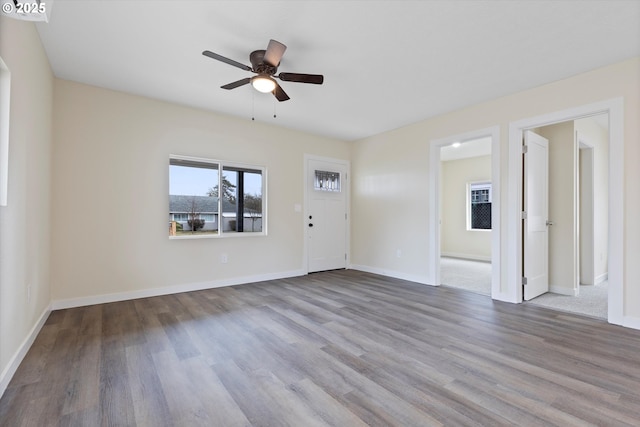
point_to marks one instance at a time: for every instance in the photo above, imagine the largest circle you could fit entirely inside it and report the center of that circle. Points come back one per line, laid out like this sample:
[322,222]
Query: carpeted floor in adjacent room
[475,276]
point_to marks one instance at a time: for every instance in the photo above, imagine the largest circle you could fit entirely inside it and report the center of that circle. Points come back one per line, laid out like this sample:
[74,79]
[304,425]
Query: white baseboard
[391,273]
[466,256]
[168,290]
[602,278]
[15,361]
[631,322]
[562,290]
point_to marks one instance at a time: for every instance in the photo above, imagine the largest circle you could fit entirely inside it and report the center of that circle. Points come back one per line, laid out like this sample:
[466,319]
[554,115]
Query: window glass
[480,206]
[242,200]
[192,186]
[327,181]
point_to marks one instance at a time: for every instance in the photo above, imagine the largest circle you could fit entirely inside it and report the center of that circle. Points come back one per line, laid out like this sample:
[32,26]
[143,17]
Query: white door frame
[435,200]
[346,187]
[615,109]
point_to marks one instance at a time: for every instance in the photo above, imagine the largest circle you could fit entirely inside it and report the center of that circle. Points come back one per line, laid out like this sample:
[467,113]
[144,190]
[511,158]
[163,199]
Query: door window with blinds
[479,206]
[327,181]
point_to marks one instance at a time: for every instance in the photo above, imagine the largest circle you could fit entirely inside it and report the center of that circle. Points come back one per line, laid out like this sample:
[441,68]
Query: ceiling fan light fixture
[263,83]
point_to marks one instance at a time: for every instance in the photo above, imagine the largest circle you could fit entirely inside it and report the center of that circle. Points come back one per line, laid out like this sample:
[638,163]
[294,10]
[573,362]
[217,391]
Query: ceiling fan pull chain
[253,106]
[274,108]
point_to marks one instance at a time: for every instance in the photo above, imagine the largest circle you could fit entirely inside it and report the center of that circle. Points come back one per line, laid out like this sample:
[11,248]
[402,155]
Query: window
[5,102]
[213,198]
[327,181]
[479,207]
[242,188]
[180,216]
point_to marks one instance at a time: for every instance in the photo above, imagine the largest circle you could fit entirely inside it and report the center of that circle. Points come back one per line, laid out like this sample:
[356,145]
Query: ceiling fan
[265,64]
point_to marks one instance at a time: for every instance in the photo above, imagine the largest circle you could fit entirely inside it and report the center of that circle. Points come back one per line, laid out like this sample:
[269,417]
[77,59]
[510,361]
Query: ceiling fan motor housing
[259,65]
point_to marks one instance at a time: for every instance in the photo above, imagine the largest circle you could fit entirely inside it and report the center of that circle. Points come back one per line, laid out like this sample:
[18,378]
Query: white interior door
[326,212]
[536,218]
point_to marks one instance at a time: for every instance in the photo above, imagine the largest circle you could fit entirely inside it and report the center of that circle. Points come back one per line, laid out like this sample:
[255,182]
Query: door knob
[549,223]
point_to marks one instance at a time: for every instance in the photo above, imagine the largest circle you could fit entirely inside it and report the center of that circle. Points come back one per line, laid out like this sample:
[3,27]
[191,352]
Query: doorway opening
[471,205]
[577,217]
[465,215]
[614,203]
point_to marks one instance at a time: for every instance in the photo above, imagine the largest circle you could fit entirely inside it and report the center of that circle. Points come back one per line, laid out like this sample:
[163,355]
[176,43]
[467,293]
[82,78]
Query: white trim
[15,361]
[345,185]
[433,220]
[470,257]
[602,278]
[615,109]
[168,290]
[631,322]
[562,290]
[423,280]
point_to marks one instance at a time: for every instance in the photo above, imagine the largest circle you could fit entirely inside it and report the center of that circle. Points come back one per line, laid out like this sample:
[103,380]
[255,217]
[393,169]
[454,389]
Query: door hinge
[524,280]
[524,215]
[525,148]
[345,216]
[345,257]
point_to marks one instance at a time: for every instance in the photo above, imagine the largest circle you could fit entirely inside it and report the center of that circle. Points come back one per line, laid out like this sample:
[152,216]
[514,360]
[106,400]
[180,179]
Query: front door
[536,215]
[326,215]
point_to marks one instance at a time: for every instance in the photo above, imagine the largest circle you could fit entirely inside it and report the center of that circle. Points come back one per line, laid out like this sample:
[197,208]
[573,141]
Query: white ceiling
[472,148]
[482,146]
[386,63]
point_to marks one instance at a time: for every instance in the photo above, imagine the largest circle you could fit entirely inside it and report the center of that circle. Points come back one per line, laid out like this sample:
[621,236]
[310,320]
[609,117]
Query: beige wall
[25,222]
[110,186]
[563,274]
[456,239]
[596,136]
[390,170]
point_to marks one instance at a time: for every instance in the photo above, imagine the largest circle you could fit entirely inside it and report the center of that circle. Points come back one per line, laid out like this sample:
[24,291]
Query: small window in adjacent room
[209,198]
[479,206]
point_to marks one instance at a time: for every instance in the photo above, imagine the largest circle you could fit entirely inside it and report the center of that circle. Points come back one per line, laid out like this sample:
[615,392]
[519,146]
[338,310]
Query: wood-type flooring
[341,348]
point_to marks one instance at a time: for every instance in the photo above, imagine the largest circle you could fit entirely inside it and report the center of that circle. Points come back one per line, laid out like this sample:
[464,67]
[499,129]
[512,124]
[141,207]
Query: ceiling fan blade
[226,60]
[315,79]
[280,94]
[274,52]
[236,84]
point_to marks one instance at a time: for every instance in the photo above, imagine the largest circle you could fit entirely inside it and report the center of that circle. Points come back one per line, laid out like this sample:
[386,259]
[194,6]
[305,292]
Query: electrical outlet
[398,253]
[224,258]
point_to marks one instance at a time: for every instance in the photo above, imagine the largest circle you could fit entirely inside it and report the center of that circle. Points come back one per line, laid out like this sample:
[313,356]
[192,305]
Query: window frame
[5,116]
[471,186]
[221,165]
